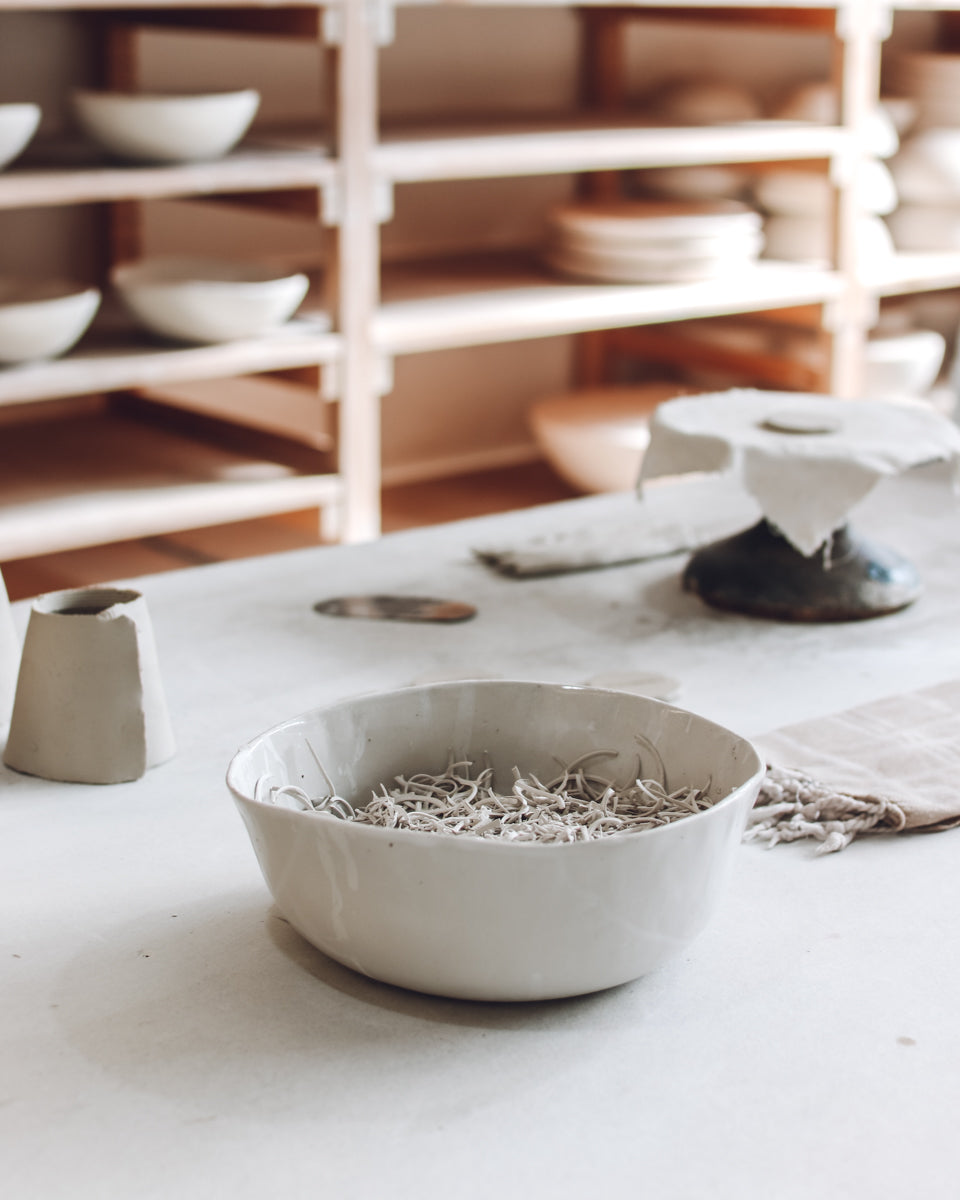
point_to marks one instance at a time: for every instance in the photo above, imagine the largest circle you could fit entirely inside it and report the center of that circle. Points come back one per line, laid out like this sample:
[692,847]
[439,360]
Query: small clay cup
[89,704]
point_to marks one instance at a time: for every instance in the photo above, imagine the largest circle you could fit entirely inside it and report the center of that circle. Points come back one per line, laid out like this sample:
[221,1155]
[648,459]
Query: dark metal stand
[760,573]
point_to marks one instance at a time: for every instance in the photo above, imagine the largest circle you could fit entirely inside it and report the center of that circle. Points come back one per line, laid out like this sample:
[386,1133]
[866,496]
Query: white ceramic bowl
[704,101]
[811,193]
[818,101]
[903,364]
[18,124]
[208,300]
[920,227]
[39,321]
[484,919]
[166,128]
[594,438]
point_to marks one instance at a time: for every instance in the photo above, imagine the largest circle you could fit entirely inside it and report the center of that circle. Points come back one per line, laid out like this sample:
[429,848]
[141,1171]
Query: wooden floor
[406,507]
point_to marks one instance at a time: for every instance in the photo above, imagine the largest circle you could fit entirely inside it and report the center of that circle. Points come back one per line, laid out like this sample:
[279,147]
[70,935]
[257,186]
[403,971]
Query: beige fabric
[883,767]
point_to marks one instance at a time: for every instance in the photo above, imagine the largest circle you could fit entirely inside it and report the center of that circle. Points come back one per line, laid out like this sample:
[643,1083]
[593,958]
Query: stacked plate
[932,80]
[653,241]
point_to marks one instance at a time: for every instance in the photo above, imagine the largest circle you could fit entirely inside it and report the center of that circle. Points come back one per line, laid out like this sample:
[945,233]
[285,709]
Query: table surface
[164,1033]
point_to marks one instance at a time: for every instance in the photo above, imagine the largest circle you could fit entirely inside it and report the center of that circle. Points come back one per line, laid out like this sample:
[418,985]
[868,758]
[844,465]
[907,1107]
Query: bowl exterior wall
[486,920]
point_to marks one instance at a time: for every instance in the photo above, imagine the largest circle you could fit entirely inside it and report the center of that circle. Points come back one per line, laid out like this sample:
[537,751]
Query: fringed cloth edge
[791,806]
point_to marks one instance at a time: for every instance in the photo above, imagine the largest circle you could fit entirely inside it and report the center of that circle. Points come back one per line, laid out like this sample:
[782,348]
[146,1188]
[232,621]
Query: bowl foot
[760,573]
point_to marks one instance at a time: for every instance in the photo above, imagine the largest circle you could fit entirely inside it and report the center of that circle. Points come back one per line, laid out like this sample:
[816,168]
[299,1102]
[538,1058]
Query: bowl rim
[470,844]
[121,95]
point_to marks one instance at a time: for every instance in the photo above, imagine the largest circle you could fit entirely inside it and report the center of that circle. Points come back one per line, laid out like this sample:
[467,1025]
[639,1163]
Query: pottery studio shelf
[250,169]
[110,476]
[500,298]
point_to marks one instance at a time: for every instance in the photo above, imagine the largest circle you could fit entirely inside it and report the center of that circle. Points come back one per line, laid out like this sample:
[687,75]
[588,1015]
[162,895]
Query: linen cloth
[886,767]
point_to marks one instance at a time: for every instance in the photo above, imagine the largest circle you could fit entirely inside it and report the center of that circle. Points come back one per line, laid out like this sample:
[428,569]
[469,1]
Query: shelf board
[577,144]
[89,480]
[109,365]
[248,169]
[915,272]
[499,299]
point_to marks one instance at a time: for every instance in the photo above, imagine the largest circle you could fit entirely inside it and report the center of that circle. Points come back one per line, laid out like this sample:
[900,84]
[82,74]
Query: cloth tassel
[791,806]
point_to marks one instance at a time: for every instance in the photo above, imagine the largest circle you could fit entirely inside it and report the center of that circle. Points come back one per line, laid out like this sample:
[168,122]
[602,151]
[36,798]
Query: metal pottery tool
[396,608]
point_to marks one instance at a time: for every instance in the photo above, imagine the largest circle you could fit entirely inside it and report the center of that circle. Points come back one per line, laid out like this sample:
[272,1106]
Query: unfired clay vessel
[89,704]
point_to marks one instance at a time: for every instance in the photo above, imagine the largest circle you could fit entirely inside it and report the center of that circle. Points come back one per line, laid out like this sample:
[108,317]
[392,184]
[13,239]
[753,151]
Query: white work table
[164,1033]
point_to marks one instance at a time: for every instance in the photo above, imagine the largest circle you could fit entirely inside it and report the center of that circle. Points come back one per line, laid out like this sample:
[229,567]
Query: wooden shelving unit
[347,174]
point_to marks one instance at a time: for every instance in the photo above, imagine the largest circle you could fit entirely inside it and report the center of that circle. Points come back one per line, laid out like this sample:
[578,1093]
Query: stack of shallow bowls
[927,168]
[653,241]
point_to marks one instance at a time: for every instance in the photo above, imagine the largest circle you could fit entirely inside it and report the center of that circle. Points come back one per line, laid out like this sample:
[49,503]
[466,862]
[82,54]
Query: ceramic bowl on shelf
[18,124]
[43,320]
[493,919]
[710,181]
[903,364]
[146,127]
[807,193]
[208,300]
[809,239]
[703,101]
[818,101]
[926,227]
[594,438]
[927,168]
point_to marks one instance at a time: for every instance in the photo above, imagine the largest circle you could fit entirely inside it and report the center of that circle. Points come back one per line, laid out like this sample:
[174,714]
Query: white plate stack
[653,241]
[927,168]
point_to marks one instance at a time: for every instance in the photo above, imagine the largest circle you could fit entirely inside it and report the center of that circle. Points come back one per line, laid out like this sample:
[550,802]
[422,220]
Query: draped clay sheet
[805,481]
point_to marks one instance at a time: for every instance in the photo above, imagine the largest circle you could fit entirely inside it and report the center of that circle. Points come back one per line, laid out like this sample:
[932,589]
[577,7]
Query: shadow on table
[220,1008]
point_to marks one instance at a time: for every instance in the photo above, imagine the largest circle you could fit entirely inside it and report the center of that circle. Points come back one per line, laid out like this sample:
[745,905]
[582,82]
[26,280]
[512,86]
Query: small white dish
[818,101]
[927,168]
[925,227]
[630,221]
[491,919]
[166,128]
[711,181]
[704,101]
[208,300]
[903,364]
[40,321]
[594,438]
[812,194]
[810,240]
[18,124]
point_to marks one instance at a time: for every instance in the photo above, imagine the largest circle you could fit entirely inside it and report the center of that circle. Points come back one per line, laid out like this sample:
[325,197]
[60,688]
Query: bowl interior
[360,744]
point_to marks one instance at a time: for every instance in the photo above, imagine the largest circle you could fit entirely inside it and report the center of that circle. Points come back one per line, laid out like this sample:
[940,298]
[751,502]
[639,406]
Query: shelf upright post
[861,27]
[353,26]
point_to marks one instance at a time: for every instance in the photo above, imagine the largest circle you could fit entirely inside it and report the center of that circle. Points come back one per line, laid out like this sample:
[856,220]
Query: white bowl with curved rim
[18,124]
[208,300]
[149,127]
[43,320]
[594,438]
[489,919]
[902,364]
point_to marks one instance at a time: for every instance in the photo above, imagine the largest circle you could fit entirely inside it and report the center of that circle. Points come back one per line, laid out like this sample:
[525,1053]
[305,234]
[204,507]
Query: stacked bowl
[927,168]
[653,241]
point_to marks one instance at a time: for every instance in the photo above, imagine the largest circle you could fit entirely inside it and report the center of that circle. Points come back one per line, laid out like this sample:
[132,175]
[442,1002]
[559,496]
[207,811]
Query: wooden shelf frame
[352,169]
